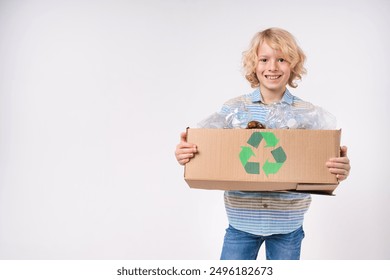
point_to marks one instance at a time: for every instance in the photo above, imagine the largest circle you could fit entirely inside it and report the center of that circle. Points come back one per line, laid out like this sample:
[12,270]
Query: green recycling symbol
[268,167]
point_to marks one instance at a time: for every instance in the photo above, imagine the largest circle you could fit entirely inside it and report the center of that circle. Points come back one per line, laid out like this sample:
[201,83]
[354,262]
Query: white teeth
[272,77]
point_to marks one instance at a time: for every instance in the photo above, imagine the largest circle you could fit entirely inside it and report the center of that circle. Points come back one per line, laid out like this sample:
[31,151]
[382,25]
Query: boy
[273,61]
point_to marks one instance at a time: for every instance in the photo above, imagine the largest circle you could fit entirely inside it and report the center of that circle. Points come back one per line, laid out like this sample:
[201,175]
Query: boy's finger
[342,160]
[189,150]
[183,137]
[341,177]
[185,156]
[343,151]
[339,165]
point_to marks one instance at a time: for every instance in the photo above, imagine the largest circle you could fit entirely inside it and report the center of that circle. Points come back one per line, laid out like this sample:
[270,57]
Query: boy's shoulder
[298,102]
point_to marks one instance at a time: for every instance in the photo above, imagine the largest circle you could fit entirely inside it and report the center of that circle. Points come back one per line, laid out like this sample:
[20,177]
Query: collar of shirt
[287,97]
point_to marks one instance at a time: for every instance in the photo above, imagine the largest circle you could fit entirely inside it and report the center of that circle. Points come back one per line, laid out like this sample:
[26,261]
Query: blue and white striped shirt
[265,213]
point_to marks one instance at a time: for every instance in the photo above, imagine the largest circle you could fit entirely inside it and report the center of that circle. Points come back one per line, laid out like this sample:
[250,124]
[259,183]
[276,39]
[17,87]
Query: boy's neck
[271,96]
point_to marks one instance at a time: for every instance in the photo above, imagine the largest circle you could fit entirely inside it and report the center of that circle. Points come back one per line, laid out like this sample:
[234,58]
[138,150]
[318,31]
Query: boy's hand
[340,166]
[184,150]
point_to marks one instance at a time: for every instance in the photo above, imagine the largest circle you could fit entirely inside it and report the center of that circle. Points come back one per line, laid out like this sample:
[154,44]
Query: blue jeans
[240,245]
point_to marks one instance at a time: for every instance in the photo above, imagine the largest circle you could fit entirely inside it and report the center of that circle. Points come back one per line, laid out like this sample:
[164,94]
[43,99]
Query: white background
[94,95]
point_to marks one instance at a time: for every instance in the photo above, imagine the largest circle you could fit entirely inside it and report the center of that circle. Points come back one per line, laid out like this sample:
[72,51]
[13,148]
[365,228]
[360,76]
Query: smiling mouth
[273,77]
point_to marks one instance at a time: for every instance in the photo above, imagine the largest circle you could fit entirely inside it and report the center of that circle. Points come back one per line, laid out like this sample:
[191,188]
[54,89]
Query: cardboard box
[263,160]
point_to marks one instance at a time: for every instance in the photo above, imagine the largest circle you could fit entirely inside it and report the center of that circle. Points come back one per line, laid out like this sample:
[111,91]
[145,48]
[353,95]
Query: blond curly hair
[278,39]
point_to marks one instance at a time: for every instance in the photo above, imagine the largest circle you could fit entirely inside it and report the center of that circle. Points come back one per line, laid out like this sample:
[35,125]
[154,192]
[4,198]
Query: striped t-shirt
[264,213]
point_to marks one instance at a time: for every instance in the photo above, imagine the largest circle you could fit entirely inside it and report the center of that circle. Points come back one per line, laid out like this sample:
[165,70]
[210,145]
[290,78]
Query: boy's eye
[281,60]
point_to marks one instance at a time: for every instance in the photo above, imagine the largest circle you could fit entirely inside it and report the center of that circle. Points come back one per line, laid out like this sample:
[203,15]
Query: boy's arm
[184,150]
[340,166]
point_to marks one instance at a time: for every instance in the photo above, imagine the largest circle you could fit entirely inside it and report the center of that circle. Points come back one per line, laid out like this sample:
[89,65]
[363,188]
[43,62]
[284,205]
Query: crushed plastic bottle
[282,115]
[237,117]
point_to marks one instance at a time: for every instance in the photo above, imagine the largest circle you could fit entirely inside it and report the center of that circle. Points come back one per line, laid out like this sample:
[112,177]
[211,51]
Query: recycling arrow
[273,167]
[269,138]
[250,167]
[270,141]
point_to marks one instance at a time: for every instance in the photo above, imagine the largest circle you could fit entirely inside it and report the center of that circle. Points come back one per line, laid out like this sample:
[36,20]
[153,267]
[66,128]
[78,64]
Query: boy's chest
[258,112]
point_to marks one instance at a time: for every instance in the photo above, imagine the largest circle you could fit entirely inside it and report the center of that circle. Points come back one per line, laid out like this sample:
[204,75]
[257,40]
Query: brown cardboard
[263,160]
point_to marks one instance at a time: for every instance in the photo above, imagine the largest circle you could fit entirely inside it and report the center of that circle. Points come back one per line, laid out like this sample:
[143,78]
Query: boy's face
[272,70]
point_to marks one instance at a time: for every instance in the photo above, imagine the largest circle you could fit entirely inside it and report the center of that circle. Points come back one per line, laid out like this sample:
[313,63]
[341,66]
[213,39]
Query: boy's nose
[273,66]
